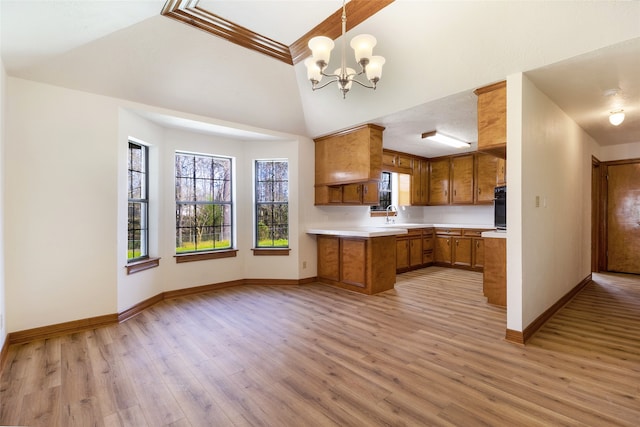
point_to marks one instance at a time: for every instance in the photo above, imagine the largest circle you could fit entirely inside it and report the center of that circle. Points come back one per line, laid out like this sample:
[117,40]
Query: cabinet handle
[457,241]
[447,242]
[477,244]
[365,189]
[479,191]
[454,192]
[445,192]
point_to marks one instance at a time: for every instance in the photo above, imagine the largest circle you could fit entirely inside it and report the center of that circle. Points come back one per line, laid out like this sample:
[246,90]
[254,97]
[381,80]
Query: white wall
[3,323]
[555,164]
[65,172]
[609,153]
[61,201]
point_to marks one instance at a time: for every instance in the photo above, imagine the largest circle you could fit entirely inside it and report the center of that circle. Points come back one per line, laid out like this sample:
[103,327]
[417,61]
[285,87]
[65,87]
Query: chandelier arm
[364,85]
[324,85]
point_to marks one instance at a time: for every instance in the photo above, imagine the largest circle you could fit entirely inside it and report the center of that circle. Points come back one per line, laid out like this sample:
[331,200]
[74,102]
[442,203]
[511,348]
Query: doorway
[616,216]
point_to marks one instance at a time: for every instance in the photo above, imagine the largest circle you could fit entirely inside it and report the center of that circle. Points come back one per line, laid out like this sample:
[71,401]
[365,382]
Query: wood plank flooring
[430,352]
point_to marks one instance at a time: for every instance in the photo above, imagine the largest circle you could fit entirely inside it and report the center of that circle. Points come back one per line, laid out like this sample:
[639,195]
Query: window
[384,190]
[138,197]
[204,205]
[272,204]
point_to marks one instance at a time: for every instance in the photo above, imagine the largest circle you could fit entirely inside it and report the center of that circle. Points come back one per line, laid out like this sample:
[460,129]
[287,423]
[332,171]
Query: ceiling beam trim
[190,13]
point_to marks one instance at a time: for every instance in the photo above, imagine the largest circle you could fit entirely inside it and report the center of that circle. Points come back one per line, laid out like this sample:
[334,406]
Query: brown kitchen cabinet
[439,174]
[494,283]
[395,161]
[409,250]
[462,248]
[492,119]
[348,165]
[486,177]
[427,246]
[420,182]
[363,265]
[501,172]
[462,179]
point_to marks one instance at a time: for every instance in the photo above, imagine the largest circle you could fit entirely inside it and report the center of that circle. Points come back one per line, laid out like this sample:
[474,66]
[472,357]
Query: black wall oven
[500,202]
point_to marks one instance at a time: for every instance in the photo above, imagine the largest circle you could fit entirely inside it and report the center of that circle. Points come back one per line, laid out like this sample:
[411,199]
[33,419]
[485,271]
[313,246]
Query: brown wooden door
[353,256]
[443,249]
[439,182]
[415,251]
[329,257]
[402,254]
[370,194]
[623,218]
[478,253]
[462,251]
[462,178]
[486,178]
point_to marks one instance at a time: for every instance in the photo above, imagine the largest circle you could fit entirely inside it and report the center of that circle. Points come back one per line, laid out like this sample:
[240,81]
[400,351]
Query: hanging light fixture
[616,117]
[362,45]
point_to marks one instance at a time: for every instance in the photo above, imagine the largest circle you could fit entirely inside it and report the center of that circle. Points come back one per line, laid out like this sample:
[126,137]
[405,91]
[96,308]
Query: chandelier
[321,47]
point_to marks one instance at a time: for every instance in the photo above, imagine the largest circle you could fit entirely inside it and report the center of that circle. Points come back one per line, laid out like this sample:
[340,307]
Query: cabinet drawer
[427,232]
[427,243]
[472,233]
[413,232]
[448,231]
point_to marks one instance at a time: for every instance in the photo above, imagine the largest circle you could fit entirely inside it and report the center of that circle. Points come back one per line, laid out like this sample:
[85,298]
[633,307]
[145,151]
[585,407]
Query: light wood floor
[430,352]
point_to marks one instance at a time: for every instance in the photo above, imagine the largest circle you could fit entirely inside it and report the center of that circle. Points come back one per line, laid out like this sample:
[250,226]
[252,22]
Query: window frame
[381,191]
[269,250]
[143,201]
[206,253]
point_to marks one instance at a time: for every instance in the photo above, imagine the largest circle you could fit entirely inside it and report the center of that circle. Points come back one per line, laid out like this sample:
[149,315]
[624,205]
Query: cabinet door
[439,182]
[462,251]
[486,178]
[443,249]
[388,159]
[370,193]
[353,257]
[462,180]
[492,116]
[351,193]
[415,251]
[501,172]
[329,257]
[478,253]
[402,254]
[404,162]
[419,188]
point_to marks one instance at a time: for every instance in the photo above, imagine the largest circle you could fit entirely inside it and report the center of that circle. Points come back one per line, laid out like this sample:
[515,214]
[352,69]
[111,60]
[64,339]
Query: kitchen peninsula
[366,259]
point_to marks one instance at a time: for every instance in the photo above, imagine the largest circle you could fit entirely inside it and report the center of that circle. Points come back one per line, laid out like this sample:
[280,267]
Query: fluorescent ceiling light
[446,140]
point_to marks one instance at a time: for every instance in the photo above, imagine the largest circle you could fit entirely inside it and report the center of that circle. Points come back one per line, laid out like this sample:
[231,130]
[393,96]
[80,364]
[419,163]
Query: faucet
[391,208]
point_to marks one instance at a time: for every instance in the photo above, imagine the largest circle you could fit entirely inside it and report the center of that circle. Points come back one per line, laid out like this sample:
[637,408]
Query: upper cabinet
[492,119]
[439,175]
[348,166]
[487,177]
[420,182]
[462,180]
[353,155]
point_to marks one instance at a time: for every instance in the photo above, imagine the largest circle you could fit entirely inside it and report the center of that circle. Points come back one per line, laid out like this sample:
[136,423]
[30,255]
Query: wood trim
[271,251]
[529,331]
[190,257]
[350,130]
[515,337]
[357,11]
[61,328]
[44,332]
[139,307]
[4,351]
[201,289]
[621,162]
[190,13]
[145,264]
[491,87]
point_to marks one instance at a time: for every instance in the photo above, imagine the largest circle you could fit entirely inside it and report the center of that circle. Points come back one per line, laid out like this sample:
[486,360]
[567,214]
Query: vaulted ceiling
[437,53]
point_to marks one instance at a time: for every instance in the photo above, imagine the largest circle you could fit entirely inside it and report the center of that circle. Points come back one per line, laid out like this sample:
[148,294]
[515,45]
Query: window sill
[145,264]
[227,253]
[271,251]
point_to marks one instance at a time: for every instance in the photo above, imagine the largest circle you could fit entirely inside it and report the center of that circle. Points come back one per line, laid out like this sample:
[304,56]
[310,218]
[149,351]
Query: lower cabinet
[455,247]
[363,265]
[494,284]
[414,249]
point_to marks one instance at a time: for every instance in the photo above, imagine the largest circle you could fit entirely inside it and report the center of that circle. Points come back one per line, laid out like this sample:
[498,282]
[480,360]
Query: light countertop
[495,234]
[388,229]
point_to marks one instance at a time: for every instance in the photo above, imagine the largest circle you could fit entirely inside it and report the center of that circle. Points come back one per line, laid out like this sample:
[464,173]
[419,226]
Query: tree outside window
[138,202]
[272,204]
[204,206]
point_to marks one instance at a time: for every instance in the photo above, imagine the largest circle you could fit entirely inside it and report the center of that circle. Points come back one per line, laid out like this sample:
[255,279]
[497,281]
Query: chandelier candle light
[363,45]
